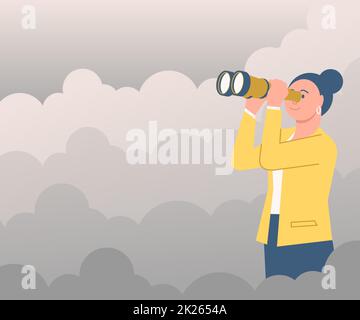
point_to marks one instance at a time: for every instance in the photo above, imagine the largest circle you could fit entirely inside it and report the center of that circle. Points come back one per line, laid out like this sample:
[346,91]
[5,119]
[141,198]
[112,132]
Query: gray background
[73,88]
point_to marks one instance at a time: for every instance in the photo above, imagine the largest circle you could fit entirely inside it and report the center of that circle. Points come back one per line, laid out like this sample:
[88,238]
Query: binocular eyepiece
[241,84]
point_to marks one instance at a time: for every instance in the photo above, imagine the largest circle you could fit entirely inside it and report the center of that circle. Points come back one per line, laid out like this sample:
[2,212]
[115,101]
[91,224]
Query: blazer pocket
[304,224]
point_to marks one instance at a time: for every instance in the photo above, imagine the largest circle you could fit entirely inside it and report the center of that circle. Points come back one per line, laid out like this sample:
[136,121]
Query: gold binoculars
[241,84]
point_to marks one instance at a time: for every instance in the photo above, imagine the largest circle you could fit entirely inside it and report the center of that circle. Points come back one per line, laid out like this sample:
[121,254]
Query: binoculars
[241,84]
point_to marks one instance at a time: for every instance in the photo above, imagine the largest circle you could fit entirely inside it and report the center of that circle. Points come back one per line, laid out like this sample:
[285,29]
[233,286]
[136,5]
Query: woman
[295,226]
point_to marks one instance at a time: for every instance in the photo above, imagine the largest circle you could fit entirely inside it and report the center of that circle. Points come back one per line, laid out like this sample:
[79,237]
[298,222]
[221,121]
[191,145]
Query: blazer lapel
[286,134]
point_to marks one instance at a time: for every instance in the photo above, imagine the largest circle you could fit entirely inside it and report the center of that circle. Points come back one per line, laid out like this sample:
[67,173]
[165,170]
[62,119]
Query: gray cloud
[178,235]
[104,274]
[113,186]
[346,259]
[181,235]
[344,204]
[342,120]
[346,262]
[175,243]
[109,274]
[126,42]
[10,285]
[218,286]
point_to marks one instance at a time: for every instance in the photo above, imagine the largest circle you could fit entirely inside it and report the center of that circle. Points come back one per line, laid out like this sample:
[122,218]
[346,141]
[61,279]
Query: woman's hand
[277,93]
[254,105]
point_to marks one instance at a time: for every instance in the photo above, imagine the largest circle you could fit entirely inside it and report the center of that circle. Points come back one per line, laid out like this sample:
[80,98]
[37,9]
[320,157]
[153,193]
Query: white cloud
[315,48]
[168,97]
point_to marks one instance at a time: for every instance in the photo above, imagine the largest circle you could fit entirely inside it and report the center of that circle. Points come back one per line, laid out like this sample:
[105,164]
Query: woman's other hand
[254,105]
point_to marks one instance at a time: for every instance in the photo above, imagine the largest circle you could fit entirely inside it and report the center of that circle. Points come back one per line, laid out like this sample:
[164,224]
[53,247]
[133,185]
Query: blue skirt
[293,261]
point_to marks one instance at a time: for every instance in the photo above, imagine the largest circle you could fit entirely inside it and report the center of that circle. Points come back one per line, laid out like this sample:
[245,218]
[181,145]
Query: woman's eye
[302,96]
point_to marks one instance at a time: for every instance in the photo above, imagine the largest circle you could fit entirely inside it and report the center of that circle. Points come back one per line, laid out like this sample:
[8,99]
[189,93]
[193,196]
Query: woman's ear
[321,100]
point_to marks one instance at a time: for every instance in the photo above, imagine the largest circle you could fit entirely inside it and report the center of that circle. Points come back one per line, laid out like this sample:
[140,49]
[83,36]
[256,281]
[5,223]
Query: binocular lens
[233,83]
[223,84]
[238,83]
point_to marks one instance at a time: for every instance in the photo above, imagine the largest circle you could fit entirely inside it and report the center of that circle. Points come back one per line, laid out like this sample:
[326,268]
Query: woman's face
[310,102]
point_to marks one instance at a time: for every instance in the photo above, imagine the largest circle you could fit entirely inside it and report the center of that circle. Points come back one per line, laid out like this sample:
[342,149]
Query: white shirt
[277,189]
[277,178]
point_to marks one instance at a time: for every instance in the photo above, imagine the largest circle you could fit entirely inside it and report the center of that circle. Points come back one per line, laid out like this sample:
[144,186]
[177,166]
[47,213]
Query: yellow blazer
[308,165]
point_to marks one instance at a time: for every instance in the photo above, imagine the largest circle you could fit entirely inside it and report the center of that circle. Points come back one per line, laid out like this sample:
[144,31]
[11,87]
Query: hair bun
[332,80]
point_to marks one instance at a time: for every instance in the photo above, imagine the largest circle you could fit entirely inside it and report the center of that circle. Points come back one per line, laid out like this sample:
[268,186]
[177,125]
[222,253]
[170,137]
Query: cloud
[219,287]
[49,236]
[126,42]
[22,179]
[109,274]
[346,260]
[307,287]
[104,274]
[344,204]
[175,243]
[315,48]
[78,137]
[342,121]
[113,186]
[10,285]
[170,98]
[111,215]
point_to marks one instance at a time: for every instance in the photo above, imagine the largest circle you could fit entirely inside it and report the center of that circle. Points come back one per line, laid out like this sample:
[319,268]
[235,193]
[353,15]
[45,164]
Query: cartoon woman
[295,226]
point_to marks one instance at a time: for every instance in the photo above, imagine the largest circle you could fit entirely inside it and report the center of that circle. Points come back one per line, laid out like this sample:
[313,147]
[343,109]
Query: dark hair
[329,82]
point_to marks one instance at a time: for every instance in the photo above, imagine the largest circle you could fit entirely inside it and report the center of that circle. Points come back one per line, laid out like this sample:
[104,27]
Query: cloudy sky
[73,87]
[127,41]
